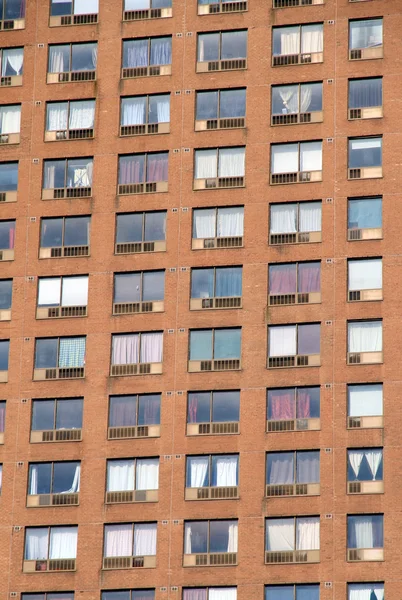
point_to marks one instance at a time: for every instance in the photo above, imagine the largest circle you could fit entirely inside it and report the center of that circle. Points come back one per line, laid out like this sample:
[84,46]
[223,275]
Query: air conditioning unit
[200,366]
[142,188]
[364,234]
[218,183]
[364,295]
[128,308]
[136,369]
[365,173]
[372,112]
[221,65]
[5,315]
[59,373]
[218,303]
[56,435]
[364,358]
[366,53]
[6,255]
[53,500]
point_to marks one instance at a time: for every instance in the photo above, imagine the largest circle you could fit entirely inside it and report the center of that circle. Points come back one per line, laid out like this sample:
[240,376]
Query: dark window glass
[43,415]
[51,233]
[64,474]
[219,535]
[69,414]
[207,105]
[14,9]
[234,45]
[61,8]
[8,177]
[129,228]
[155,227]
[83,57]
[365,213]
[4,353]
[76,231]
[6,289]
[232,103]
[46,353]
[365,152]
[40,478]
[308,339]
[7,235]
[364,93]
[365,531]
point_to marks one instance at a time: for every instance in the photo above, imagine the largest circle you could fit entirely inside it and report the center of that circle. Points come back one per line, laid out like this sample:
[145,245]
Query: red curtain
[281,405]
[309,278]
[303,404]
[157,168]
[282,279]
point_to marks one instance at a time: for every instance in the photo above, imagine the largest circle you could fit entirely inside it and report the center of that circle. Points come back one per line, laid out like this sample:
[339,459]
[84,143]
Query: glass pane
[116,595]
[51,233]
[6,288]
[308,339]
[40,478]
[309,278]
[56,116]
[54,174]
[224,470]
[285,40]
[149,409]
[127,287]
[60,7]
[234,45]
[280,468]
[232,104]
[208,46]
[122,411]
[131,169]
[365,531]
[8,177]
[43,415]
[59,59]
[285,158]
[133,111]
[196,537]
[310,97]
[4,354]
[227,343]
[76,231]
[207,106]
[280,592]
[84,57]
[365,400]
[199,407]
[281,404]
[157,166]
[153,286]
[311,156]
[202,283]
[143,594]
[365,213]
[285,99]
[12,61]
[204,223]
[69,414]
[307,592]
[219,538]
[135,53]
[65,477]
[159,109]
[365,464]
[365,34]
[308,467]
[225,406]
[364,93]
[7,231]
[308,403]
[14,9]
[79,172]
[161,51]
[155,226]
[282,279]
[201,344]
[197,471]
[228,282]
[129,228]
[365,152]
[46,353]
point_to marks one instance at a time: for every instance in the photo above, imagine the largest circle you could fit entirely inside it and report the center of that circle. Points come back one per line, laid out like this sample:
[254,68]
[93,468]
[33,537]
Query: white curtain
[63,542]
[57,116]
[204,223]
[364,591]
[232,537]
[49,291]
[56,60]
[198,471]
[75,486]
[10,119]
[230,221]
[145,539]
[226,471]
[206,164]
[1,478]
[118,540]
[355,459]
[136,4]
[86,7]
[289,95]
[374,458]
[285,158]
[365,336]
[365,400]
[15,58]
[283,218]
[227,593]
[120,475]
[231,162]
[365,144]
[306,92]
[36,543]
[312,39]
[281,468]
[151,347]
[125,349]
[311,156]
[308,533]
[364,532]
[308,467]
[280,535]
[82,114]
[147,474]
[310,216]
[133,111]
[365,274]
[282,341]
[290,40]
[163,109]
[74,291]
[187,538]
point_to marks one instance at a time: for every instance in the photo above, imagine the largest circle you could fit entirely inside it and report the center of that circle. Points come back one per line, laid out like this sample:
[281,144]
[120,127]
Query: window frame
[300,26]
[294,518]
[299,143]
[62,278]
[218,154]
[4,49]
[10,162]
[216,216]
[214,269]
[143,214]
[137,408]
[55,407]
[141,286]
[371,514]
[219,92]
[360,138]
[139,334]
[135,460]
[52,463]
[144,181]
[368,18]
[58,338]
[364,449]
[149,39]
[147,97]
[66,167]
[221,32]
[68,128]
[49,530]
[293,585]
[299,87]
[72,13]
[210,466]
[209,521]
[133,524]
[63,231]
[211,409]
[297,325]
[70,44]
[296,264]
[20,18]
[213,329]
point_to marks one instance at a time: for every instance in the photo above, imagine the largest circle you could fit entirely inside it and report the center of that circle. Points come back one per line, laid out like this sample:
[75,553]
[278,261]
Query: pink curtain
[309,278]
[303,404]
[157,168]
[131,169]
[125,349]
[123,413]
[282,279]
[195,594]
[2,416]
[281,405]
[11,237]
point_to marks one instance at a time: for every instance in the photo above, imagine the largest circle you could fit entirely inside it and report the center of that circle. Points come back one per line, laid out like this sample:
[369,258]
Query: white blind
[206,164]
[311,156]
[231,162]
[365,274]
[49,292]
[365,400]
[365,144]
[75,291]
[282,341]
[86,7]
[284,158]
[365,336]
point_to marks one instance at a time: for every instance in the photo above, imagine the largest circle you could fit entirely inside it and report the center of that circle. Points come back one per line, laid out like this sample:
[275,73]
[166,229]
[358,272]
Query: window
[299,103]
[143,291]
[365,98]
[147,56]
[72,62]
[365,537]
[300,162]
[365,591]
[2,420]
[139,173]
[132,349]
[218,227]
[365,158]
[226,49]
[12,66]
[70,178]
[8,181]
[148,594]
[292,539]
[364,218]
[82,11]
[7,240]
[364,342]
[294,222]
[365,471]
[64,236]
[53,478]
[294,345]
[216,287]
[294,592]
[140,232]
[130,545]
[219,167]
[59,358]
[220,109]
[13,10]
[58,420]
[365,279]
[211,593]
[146,9]
[294,283]
[10,124]
[213,538]
[132,480]
[365,405]
[4,354]
[206,472]
[69,120]
[49,596]
[134,416]
[6,292]
[213,412]
[293,473]
[297,44]
[214,349]
[43,545]
[293,409]
[62,297]
[145,114]
[365,39]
